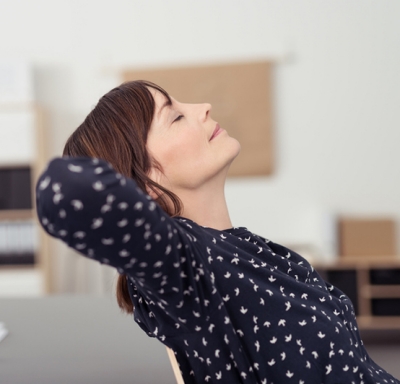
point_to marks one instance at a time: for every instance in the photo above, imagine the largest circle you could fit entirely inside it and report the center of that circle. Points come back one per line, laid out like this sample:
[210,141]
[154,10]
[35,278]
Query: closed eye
[178,118]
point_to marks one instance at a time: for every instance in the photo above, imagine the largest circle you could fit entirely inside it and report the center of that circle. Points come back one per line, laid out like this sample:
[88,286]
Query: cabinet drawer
[385,276]
[385,307]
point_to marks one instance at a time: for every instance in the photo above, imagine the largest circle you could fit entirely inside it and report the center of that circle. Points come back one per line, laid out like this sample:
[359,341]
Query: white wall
[336,100]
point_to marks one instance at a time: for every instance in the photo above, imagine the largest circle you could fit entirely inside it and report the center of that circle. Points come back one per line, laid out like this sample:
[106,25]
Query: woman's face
[188,144]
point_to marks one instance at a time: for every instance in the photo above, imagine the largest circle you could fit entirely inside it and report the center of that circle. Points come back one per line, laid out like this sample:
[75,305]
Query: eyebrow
[167,103]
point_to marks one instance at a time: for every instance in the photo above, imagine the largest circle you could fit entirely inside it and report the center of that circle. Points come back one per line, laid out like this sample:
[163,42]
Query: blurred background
[334,102]
[335,94]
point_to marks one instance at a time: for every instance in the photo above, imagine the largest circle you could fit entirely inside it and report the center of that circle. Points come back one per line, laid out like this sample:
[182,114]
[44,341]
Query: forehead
[159,98]
[162,103]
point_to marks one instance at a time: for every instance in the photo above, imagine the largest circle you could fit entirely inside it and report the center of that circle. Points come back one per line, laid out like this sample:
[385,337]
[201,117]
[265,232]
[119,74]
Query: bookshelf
[373,285]
[24,248]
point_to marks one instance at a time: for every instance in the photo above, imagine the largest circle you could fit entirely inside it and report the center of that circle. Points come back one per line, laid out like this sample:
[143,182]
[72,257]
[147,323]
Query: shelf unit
[35,164]
[373,285]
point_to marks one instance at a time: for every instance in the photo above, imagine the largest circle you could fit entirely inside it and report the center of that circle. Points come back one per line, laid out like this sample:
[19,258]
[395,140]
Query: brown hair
[116,131]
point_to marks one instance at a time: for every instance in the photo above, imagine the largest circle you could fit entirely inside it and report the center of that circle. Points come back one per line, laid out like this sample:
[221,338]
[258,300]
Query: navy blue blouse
[233,306]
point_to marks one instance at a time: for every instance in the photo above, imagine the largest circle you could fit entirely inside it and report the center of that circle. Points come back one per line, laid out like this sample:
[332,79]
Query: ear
[151,193]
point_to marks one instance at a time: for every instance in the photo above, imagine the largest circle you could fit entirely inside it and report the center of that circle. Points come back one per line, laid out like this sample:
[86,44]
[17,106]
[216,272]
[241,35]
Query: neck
[206,206]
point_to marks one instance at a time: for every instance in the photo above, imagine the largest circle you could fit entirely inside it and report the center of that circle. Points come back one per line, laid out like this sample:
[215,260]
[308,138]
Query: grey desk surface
[86,340]
[79,340]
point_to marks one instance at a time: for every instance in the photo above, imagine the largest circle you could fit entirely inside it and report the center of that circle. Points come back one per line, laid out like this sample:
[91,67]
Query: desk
[77,340]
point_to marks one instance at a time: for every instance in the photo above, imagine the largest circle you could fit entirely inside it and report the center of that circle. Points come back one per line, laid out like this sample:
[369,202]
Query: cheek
[182,153]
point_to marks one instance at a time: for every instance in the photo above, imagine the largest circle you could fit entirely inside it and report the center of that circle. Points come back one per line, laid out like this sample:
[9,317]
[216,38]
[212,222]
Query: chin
[235,148]
[232,151]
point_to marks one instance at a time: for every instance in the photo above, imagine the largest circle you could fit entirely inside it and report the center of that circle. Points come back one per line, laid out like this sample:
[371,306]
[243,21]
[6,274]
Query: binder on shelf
[18,242]
[15,188]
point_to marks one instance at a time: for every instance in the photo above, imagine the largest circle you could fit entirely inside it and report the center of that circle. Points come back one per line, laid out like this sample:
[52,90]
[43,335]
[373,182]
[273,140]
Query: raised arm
[107,217]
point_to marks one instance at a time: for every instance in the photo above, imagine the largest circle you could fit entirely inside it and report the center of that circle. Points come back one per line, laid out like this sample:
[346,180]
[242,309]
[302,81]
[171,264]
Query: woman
[141,188]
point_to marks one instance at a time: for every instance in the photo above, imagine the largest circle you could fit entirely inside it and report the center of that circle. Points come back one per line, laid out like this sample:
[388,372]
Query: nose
[205,111]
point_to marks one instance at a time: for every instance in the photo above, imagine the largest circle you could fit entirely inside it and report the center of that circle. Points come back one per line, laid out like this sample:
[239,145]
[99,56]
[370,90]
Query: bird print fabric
[233,306]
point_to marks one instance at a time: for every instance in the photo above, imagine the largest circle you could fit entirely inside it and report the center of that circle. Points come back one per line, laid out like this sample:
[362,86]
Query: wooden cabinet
[373,284]
[23,245]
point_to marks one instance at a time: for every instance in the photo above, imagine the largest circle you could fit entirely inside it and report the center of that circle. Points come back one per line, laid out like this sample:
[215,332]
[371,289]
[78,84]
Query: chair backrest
[175,367]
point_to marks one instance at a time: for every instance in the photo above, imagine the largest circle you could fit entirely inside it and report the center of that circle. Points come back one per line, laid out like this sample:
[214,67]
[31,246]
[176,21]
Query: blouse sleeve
[107,217]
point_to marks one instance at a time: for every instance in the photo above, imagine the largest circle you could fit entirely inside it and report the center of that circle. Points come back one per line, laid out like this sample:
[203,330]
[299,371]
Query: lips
[217,130]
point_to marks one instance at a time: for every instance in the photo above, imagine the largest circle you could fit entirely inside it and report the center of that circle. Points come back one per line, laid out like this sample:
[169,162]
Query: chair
[175,367]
